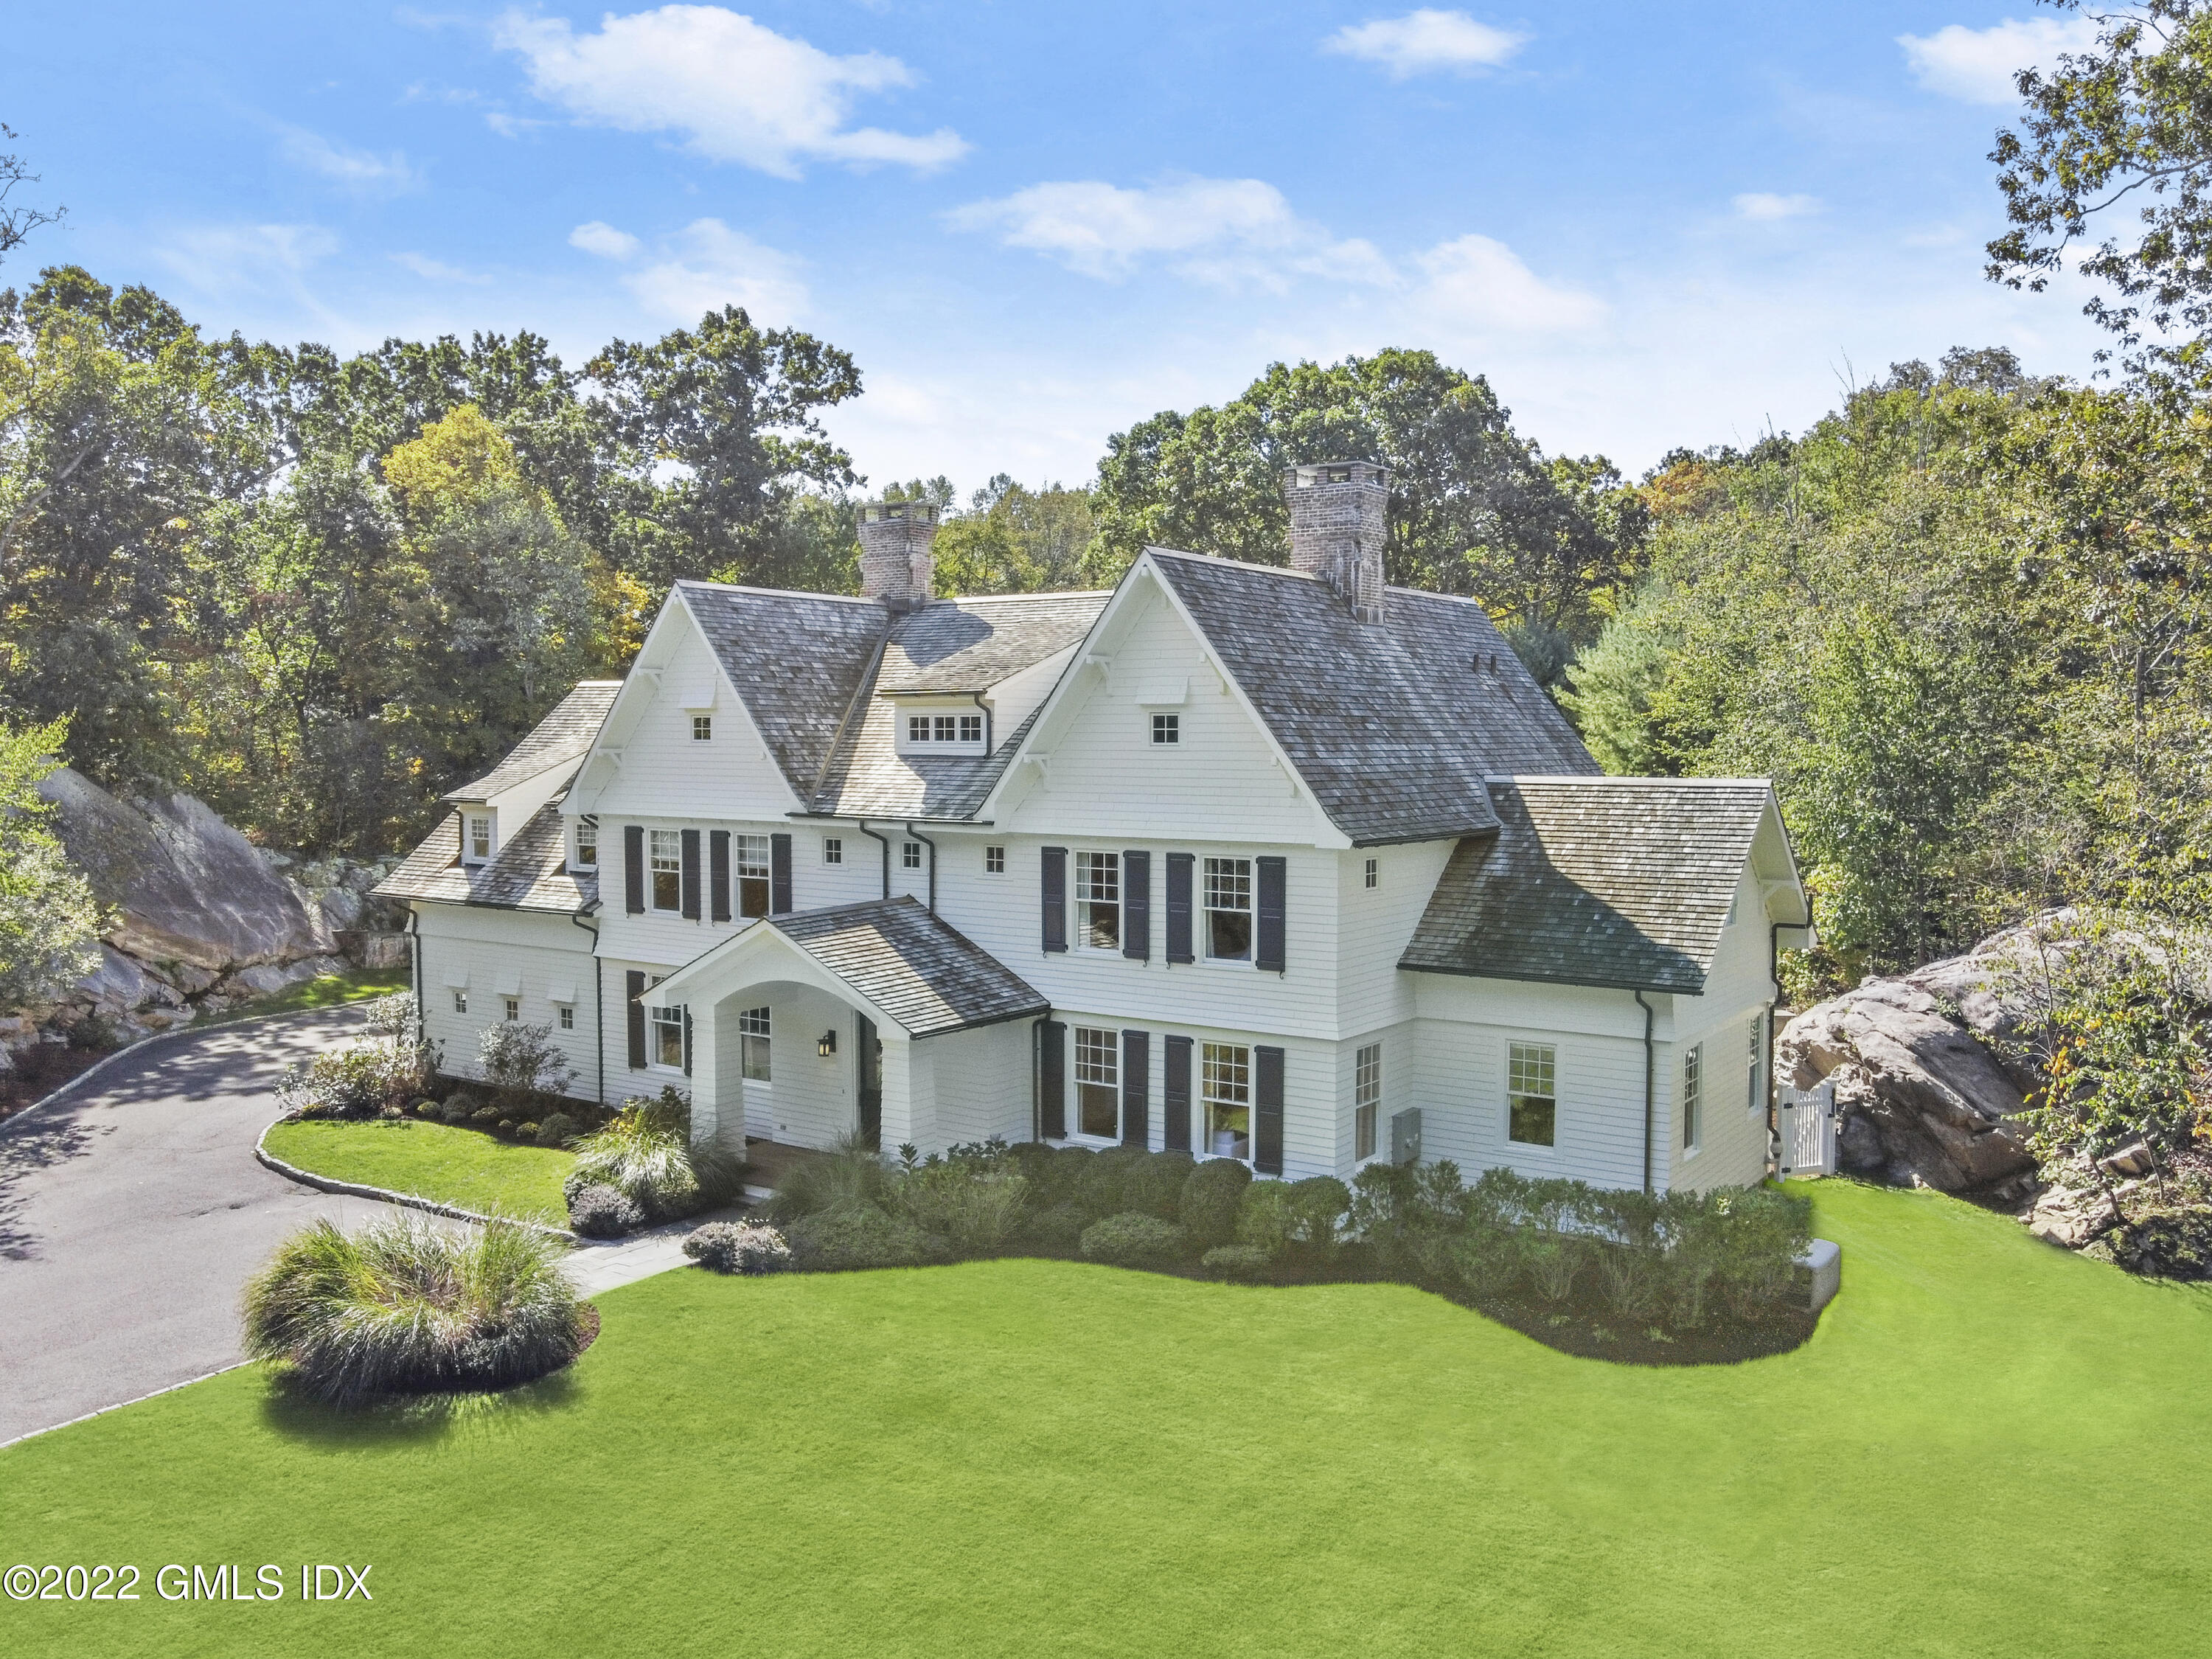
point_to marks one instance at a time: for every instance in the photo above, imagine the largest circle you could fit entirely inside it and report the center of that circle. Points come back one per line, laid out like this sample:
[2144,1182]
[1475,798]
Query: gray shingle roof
[912,965]
[560,739]
[1622,882]
[530,871]
[1393,727]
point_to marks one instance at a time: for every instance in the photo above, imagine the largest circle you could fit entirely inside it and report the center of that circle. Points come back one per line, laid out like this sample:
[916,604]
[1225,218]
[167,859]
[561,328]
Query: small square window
[512,1009]
[567,1018]
[910,855]
[994,860]
[971,728]
[833,849]
[460,1002]
[703,728]
[1167,728]
[917,728]
[1374,875]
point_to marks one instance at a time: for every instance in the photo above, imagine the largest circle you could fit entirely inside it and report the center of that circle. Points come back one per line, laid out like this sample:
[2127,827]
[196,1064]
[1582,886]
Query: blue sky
[1034,224]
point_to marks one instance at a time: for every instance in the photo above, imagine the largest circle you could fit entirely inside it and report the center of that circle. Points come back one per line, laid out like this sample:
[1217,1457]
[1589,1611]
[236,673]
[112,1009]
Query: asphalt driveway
[132,1211]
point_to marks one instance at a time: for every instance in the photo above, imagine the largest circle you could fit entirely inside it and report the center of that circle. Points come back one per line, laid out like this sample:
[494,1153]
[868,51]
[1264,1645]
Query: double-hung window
[1693,1104]
[1366,1099]
[667,870]
[1532,1099]
[1754,1095]
[1229,909]
[460,1002]
[587,844]
[1224,1076]
[480,837]
[1098,1083]
[1098,900]
[750,856]
[511,1009]
[665,1032]
[752,1037]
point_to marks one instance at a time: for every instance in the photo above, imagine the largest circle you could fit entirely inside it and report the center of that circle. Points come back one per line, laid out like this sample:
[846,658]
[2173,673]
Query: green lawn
[1987,1447]
[328,992]
[454,1166]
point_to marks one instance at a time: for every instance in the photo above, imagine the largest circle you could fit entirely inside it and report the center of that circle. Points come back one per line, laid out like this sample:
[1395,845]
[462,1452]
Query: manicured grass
[454,1166]
[1987,1447]
[331,991]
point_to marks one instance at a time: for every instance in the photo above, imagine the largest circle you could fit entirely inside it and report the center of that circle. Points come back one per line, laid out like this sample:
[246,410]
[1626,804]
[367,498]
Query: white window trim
[470,818]
[905,743]
[1695,1054]
[1201,1131]
[652,872]
[1075,1133]
[1382,1143]
[1082,940]
[576,859]
[1204,919]
[1505,1098]
[653,1061]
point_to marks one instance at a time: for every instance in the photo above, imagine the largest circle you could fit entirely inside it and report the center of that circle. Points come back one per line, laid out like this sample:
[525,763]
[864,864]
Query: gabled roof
[1394,727]
[1621,882]
[530,871]
[562,738]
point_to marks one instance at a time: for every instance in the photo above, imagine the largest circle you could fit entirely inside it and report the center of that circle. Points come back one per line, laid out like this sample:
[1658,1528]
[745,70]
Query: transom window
[752,1038]
[750,856]
[1693,1083]
[480,838]
[1229,909]
[1098,1083]
[667,870]
[587,844]
[833,849]
[1224,1075]
[1098,900]
[994,860]
[1366,1099]
[1167,728]
[703,728]
[911,855]
[1532,1101]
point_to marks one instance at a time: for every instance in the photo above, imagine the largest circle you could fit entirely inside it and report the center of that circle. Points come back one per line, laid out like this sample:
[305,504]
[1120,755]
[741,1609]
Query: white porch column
[706,1097]
[910,1094]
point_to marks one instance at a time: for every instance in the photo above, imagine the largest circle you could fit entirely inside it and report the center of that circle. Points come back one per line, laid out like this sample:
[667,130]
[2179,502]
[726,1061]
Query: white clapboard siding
[536,954]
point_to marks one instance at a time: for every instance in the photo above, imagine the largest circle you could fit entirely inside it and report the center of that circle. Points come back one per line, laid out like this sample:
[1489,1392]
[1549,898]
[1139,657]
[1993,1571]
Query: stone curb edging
[103,1411]
[106,1060]
[409,1200]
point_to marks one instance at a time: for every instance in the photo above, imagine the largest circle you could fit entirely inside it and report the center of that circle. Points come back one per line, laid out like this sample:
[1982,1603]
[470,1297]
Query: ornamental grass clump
[403,1306]
[848,1175]
[646,1152]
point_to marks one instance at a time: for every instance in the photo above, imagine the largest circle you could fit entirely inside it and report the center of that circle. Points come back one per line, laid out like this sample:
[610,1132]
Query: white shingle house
[1279,865]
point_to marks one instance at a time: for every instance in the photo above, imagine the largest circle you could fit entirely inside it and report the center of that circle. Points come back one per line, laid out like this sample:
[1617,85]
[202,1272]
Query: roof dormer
[940,727]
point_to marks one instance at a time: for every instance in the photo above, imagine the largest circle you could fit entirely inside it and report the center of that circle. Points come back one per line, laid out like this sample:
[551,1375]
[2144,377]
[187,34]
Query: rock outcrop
[1927,1093]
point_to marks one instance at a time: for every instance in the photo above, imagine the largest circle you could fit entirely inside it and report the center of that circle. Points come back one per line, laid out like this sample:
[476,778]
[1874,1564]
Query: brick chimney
[1337,517]
[896,564]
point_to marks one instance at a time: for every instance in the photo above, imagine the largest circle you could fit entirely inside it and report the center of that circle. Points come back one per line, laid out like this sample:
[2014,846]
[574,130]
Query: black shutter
[1268,1102]
[718,874]
[1137,905]
[634,869]
[633,986]
[1179,868]
[1136,1088]
[1056,898]
[691,875]
[779,874]
[1052,1078]
[687,1042]
[1272,881]
[1176,1102]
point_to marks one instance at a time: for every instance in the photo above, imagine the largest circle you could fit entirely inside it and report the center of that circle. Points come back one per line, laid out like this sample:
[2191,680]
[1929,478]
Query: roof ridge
[1235,564]
[772,592]
[1623,778]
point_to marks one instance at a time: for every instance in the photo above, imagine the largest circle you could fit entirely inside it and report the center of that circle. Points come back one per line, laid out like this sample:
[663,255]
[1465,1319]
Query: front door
[871,1085]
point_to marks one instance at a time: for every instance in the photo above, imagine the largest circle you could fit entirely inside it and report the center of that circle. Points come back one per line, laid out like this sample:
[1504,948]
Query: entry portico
[877,1019]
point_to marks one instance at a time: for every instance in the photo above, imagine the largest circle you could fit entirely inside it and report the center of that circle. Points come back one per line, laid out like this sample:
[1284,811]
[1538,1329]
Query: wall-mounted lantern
[828,1046]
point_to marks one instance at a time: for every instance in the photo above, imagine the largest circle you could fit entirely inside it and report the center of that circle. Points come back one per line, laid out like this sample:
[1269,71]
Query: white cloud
[247,259]
[512,126]
[1978,65]
[436,270]
[1230,232]
[738,91]
[706,265]
[1764,205]
[604,239]
[360,171]
[1481,286]
[1425,41]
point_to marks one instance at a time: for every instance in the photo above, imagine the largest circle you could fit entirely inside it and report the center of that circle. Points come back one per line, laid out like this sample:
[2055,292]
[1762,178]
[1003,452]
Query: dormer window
[587,844]
[948,733]
[480,840]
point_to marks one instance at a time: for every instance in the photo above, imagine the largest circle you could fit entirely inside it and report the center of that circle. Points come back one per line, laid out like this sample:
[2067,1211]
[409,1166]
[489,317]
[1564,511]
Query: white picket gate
[1808,1130]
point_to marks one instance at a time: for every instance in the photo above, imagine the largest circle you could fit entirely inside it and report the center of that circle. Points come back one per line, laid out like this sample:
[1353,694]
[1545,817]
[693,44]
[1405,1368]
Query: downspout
[885,842]
[1773,1083]
[932,845]
[1650,1082]
[415,933]
[599,998]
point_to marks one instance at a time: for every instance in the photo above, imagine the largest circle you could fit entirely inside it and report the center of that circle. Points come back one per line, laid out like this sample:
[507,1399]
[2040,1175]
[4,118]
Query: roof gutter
[1650,1082]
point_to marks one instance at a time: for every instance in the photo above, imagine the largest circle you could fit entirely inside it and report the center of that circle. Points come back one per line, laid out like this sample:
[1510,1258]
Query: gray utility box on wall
[1406,1136]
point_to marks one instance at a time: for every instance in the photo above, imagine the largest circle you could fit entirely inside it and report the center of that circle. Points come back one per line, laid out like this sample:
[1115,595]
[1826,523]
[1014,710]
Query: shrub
[391,1018]
[1131,1240]
[1208,1204]
[1055,1232]
[406,1307]
[1317,1204]
[505,1125]
[1101,1185]
[1153,1184]
[354,1083]
[521,1063]
[1632,1266]
[850,1174]
[528,1132]
[646,1152]
[975,1206]
[738,1247]
[1240,1263]
[857,1237]
[558,1130]
[2172,1243]
[1264,1219]
[486,1117]
[1758,1233]
[1555,1240]
[1412,1215]
[600,1212]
